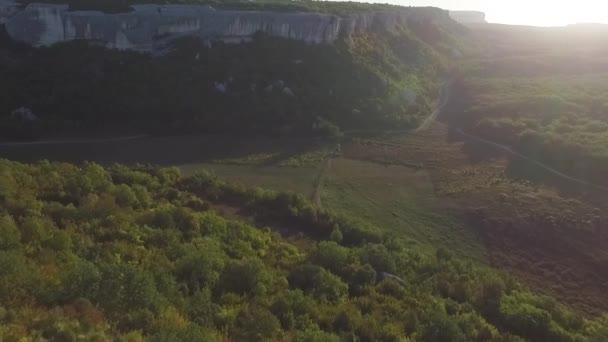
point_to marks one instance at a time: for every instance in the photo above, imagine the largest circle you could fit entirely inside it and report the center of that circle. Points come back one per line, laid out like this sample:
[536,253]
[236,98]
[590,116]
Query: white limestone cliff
[150,27]
[7,9]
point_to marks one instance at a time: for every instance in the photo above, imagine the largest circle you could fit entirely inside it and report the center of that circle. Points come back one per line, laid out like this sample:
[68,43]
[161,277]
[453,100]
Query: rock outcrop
[468,17]
[7,10]
[150,27]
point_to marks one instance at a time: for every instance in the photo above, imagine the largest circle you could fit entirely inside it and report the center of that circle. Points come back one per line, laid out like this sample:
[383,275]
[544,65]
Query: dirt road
[76,141]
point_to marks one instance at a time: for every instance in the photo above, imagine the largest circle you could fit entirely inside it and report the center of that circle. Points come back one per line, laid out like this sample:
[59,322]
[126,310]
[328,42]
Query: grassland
[401,200]
[465,197]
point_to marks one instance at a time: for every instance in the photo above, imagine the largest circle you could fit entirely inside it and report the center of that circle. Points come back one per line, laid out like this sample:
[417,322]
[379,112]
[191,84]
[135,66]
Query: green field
[401,200]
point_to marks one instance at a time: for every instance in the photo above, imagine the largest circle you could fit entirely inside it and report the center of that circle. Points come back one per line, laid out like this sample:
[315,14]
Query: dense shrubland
[142,253]
[520,87]
[562,122]
[270,85]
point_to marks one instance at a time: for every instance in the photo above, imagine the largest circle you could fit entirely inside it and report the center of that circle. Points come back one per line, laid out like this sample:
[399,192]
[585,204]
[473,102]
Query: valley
[411,180]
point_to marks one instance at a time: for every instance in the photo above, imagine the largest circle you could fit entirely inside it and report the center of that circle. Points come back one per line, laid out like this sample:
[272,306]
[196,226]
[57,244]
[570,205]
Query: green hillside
[521,88]
[142,253]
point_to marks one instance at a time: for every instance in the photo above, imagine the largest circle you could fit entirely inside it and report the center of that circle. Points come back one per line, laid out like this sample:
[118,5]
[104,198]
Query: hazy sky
[527,12]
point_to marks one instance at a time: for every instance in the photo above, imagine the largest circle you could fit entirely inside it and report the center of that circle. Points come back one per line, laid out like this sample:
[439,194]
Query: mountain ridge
[150,27]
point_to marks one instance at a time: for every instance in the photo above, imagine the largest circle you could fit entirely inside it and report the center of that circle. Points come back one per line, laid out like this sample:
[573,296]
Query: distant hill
[589,27]
[468,17]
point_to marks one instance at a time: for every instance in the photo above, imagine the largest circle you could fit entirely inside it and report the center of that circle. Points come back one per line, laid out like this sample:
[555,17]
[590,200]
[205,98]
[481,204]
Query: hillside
[380,76]
[528,119]
[299,171]
[133,253]
[522,89]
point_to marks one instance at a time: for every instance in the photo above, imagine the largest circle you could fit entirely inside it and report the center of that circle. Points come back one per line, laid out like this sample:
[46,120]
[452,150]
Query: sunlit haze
[525,12]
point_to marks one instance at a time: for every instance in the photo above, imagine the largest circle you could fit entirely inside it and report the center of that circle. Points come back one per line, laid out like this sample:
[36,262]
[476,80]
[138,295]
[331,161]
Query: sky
[524,12]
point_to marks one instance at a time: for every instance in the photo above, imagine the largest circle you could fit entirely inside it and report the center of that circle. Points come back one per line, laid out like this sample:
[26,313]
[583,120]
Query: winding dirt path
[77,141]
[544,166]
[316,196]
[444,96]
[445,93]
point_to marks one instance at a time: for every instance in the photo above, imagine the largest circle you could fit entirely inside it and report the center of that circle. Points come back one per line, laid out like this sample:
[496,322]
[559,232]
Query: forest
[142,253]
[267,86]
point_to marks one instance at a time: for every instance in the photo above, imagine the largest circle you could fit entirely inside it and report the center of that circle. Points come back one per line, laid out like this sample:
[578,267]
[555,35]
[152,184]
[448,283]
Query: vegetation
[140,253]
[520,89]
[270,85]
[467,200]
[401,200]
[144,253]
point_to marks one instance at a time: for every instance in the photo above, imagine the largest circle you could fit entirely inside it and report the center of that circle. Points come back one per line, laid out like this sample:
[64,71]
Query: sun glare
[524,12]
[546,12]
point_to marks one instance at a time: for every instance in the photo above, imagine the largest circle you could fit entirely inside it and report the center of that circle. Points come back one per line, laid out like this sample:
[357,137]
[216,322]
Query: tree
[190,332]
[441,328]
[363,276]
[292,308]
[10,236]
[320,283]
[255,323]
[187,221]
[331,256]
[336,235]
[378,256]
[202,310]
[347,319]
[244,277]
[126,287]
[125,197]
[34,230]
[316,335]
[489,296]
[15,275]
[199,269]
[82,279]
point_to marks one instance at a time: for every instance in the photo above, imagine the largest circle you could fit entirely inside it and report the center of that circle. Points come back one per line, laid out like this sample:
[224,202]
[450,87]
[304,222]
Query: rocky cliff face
[7,10]
[150,27]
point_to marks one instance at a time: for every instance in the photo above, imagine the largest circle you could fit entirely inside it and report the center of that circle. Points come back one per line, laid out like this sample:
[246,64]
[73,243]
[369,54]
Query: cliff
[150,27]
[7,10]
[468,17]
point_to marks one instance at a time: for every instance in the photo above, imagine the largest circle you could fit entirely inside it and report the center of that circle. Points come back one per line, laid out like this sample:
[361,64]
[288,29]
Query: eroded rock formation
[7,10]
[150,27]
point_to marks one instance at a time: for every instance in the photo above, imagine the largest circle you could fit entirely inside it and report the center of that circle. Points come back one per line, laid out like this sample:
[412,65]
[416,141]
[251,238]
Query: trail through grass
[401,200]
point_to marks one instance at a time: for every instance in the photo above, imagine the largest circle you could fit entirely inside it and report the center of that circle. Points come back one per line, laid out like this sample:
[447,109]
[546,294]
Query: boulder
[288,92]
[384,276]
[24,114]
